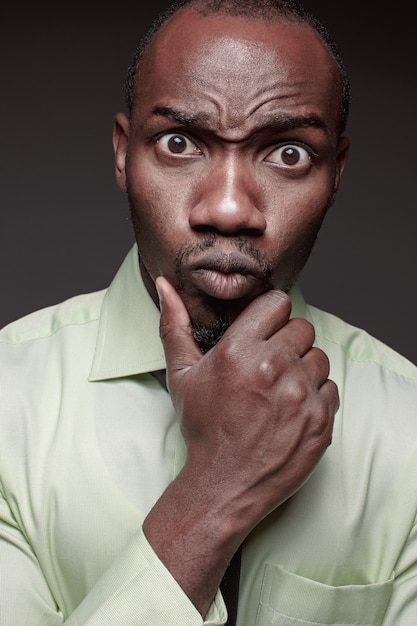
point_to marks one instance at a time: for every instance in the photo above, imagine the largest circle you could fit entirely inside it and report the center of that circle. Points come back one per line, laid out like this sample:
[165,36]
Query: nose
[228,200]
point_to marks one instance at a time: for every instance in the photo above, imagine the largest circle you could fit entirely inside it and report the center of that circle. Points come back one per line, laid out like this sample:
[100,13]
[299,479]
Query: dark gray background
[65,226]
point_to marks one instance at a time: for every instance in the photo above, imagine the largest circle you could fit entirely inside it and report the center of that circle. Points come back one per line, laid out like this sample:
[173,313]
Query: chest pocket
[291,600]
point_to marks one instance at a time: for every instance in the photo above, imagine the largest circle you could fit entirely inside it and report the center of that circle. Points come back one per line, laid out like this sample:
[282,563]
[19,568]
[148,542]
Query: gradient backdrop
[65,227]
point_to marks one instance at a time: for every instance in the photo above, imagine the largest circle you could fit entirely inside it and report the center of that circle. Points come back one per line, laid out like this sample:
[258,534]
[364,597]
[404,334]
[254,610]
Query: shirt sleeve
[402,608]
[136,590]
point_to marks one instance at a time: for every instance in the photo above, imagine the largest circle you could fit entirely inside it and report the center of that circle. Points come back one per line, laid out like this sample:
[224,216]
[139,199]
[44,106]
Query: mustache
[242,245]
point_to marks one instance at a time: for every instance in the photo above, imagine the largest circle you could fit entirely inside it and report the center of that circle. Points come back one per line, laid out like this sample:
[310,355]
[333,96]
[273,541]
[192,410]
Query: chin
[208,312]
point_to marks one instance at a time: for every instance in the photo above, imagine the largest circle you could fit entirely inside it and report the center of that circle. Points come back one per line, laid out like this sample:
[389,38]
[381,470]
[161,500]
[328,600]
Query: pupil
[177,144]
[290,156]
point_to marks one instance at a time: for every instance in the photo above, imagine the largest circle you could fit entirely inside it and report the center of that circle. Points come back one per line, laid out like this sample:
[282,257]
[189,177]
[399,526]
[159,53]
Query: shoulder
[79,311]
[356,346]
[377,416]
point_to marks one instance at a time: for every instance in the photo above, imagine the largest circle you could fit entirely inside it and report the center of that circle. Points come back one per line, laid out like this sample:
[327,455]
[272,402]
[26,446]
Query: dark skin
[232,157]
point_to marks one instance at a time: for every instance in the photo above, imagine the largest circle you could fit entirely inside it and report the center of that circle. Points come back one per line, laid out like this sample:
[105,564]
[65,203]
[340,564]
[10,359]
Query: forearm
[194,532]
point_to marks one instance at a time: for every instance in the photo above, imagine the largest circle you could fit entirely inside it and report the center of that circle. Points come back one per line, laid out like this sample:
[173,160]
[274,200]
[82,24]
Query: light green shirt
[89,441]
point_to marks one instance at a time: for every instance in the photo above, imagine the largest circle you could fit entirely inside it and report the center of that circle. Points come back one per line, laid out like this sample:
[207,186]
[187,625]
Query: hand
[257,415]
[257,410]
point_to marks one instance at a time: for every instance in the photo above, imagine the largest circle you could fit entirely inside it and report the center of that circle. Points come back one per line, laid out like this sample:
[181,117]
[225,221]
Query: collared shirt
[89,440]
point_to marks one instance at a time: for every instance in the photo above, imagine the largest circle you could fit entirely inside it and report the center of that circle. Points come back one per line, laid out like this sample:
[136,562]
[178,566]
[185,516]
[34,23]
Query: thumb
[181,350]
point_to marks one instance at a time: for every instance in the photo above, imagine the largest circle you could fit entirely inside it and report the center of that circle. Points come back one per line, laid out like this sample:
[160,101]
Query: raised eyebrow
[289,122]
[179,116]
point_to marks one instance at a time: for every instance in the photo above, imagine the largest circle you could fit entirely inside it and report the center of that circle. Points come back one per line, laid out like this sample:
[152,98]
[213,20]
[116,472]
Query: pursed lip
[226,276]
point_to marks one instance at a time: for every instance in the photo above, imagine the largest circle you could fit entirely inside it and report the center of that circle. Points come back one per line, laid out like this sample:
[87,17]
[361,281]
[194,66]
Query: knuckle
[322,360]
[267,372]
[296,393]
[164,329]
[321,427]
[334,395]
[170,333]
[229,352]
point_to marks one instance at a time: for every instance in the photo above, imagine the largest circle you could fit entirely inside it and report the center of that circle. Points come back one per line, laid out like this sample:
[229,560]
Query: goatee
[208,336]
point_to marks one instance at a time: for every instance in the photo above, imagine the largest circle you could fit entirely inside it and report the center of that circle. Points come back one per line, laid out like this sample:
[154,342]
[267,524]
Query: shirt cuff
[138,589]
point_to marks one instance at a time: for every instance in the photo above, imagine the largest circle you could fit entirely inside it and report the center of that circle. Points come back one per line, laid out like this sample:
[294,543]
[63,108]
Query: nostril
[246,232]
[204,228]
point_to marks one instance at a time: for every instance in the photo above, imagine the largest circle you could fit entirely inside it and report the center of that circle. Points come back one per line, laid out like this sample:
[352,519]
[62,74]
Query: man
[122,504]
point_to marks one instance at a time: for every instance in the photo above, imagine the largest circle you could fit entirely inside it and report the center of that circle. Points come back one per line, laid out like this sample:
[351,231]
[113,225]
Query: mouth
[224,285]
[226,276]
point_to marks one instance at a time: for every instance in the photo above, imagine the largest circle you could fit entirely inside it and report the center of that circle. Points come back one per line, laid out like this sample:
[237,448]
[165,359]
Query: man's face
[232,157]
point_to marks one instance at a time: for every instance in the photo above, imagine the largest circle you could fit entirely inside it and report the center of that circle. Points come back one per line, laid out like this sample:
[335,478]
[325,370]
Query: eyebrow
[179,116]
[287,122]
[279,121]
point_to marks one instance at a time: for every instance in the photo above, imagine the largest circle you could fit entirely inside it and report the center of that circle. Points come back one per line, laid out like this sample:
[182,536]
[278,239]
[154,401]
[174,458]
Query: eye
[289,156]
[175,143]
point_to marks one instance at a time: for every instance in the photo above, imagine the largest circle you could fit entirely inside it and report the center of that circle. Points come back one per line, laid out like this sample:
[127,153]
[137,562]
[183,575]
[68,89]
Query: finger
[296,338]
[330,391]
[264,316]
[180,348]
[318,365]
[329,404]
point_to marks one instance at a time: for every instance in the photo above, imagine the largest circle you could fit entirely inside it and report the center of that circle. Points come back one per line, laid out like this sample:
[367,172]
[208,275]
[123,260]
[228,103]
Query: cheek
[158,200]
[297,212]
[293,227]
[158,228]
[152,234]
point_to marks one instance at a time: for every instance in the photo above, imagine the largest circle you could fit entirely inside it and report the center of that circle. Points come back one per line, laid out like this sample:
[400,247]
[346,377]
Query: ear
[341,159]
[120,140]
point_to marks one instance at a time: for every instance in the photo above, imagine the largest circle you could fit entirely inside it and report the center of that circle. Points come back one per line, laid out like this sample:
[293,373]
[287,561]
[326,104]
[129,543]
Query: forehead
[233,68]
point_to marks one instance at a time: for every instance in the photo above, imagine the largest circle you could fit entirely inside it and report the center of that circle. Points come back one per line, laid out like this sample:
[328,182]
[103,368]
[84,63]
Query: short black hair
[291,10]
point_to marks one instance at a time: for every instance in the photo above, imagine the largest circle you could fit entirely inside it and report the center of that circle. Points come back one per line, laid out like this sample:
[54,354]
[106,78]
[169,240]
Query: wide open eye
[289,156]
[175,143]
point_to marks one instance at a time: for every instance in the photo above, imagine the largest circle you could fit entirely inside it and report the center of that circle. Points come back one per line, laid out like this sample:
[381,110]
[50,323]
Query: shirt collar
[128,341]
